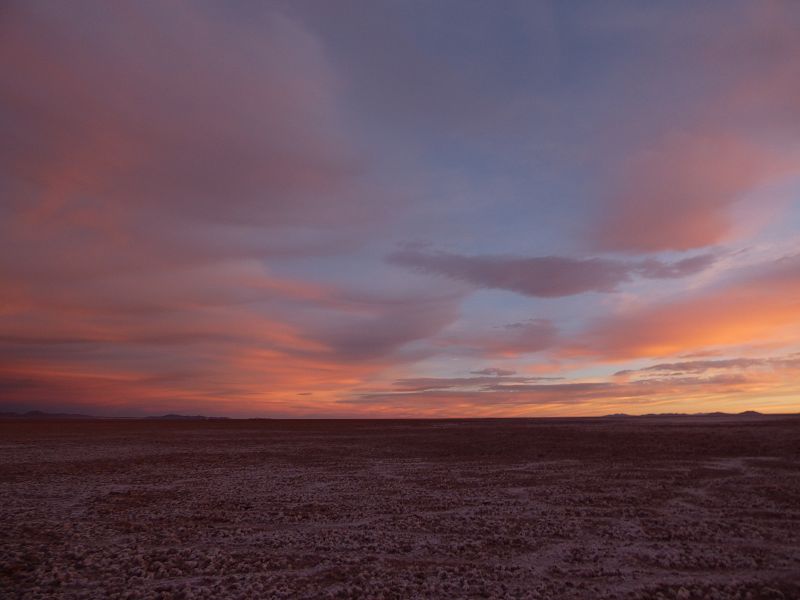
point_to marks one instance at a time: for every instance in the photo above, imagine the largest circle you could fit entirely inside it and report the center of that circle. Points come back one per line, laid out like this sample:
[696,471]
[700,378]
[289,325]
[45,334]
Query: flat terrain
[583,508]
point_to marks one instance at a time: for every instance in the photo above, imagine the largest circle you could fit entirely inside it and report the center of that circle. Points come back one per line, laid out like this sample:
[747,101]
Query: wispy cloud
[703,366]
[751,304]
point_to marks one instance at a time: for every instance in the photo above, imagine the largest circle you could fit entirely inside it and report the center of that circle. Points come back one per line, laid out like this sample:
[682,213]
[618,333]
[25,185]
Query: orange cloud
[753,306]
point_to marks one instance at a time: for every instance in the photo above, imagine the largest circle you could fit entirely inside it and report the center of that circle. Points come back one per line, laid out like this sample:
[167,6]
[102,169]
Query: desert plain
[684,508]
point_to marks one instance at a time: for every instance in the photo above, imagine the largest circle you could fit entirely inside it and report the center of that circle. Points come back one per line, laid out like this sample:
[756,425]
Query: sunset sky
[399,208]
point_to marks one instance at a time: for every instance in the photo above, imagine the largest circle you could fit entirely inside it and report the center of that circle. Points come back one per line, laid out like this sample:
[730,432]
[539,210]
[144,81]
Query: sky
[393,208]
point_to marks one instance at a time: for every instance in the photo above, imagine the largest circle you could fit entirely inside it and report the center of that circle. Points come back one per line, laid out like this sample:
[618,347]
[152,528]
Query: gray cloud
[544,276]
[494,371]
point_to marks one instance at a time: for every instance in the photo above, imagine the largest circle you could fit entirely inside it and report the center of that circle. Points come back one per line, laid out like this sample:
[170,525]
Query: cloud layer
[199,202]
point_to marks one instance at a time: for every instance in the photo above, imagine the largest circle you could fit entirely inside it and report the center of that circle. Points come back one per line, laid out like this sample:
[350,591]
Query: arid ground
[590,508]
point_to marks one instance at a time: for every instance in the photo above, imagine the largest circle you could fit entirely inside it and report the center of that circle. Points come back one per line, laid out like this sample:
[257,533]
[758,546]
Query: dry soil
[594,508]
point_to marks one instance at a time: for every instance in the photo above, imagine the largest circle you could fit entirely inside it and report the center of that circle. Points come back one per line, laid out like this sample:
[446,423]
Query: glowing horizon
[395,209]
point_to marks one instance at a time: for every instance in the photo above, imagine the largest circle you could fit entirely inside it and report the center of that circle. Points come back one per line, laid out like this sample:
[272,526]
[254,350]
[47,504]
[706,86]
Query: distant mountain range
[747,413]
[173,417]
[39,415]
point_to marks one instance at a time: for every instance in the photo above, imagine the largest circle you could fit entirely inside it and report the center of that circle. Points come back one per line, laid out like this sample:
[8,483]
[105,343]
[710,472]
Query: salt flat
[582,508]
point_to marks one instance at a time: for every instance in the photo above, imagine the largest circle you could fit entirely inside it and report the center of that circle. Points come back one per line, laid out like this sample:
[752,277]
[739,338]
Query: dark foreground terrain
[594,508]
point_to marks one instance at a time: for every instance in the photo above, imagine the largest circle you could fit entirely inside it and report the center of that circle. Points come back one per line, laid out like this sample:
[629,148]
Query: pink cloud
[677,194]
[678,188]
[126,138]
[751,305]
